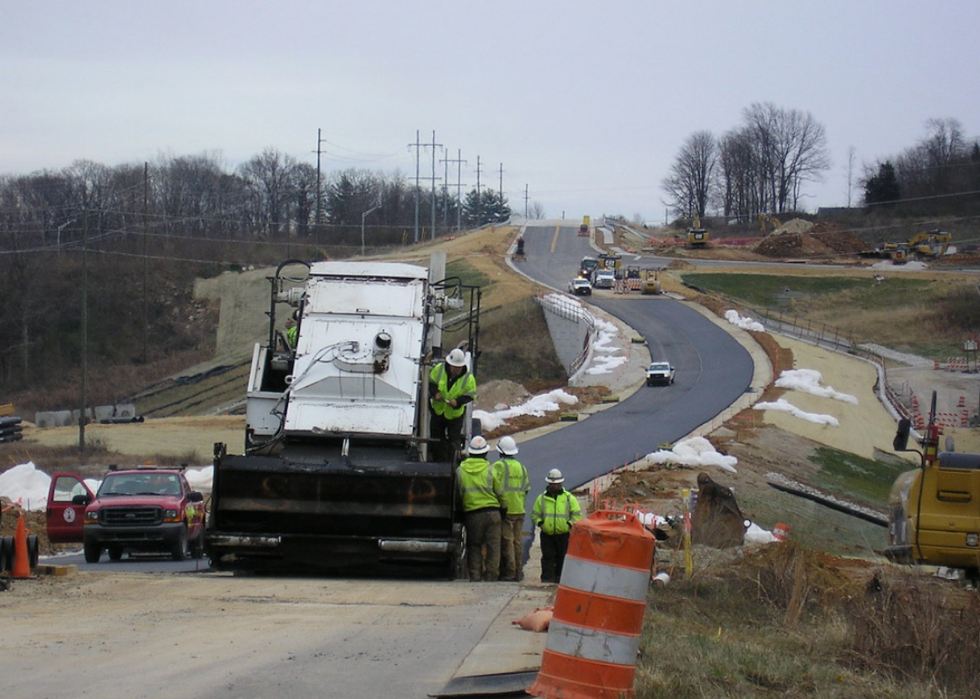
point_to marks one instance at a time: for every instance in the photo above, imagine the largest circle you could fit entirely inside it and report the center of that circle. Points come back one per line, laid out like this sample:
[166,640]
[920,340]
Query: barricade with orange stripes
[594,634]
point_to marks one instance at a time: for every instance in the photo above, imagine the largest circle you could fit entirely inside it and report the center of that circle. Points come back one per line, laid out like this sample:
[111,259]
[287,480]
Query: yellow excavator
[697,237]
[765,221]
[930,243]
[927,245]
[934,510]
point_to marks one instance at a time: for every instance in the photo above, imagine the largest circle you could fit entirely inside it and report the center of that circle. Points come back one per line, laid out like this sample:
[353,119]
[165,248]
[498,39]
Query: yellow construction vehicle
[611,262]
[765,221]
[697,237]
[584,228]
[926,245]
[651,282]
[934,511]
[930,243]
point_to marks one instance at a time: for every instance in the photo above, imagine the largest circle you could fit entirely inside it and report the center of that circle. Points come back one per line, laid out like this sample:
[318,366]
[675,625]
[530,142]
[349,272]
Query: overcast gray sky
[584,103]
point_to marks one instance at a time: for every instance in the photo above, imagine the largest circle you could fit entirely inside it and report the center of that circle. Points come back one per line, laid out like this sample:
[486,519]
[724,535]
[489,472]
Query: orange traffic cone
[22,559]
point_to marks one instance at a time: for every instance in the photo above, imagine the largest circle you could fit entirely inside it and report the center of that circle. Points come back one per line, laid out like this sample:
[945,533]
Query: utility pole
[146,260]
[525,202]
[459,183]
[319,189]
[479,204]
[445,193]
[417,146]
[84,397]
[500,187]
[432,233]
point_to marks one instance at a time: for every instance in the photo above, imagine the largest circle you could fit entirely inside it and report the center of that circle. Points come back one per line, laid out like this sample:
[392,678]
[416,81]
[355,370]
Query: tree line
[269,196]
[939,173]
[763,165]
[136,236]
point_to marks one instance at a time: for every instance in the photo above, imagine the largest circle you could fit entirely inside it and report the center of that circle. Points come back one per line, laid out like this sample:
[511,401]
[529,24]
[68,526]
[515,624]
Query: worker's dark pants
[449,434]
[511,560]
[553,550]
[483,543]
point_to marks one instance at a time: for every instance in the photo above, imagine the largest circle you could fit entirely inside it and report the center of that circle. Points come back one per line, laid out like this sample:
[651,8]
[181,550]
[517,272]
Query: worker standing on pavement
[451,387]
[516,485]
[554,513]
[481,490]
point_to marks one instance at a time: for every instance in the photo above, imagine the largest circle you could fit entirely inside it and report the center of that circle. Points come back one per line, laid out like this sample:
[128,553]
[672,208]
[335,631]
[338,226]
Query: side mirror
[901,441]
[195,496]
[80,500]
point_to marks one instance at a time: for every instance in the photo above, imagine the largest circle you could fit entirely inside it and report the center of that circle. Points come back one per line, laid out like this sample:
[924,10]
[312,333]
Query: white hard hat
[507,446]
[554,476]
[456,358]
[478,445]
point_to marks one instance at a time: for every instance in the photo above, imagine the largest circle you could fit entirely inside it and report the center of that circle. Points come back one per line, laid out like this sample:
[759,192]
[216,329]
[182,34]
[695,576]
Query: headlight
[92,517]
[171,516]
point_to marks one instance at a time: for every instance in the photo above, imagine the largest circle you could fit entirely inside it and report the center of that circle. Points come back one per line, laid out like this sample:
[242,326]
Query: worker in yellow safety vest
[516,485]
[480,491]
[451,387]
[554,512]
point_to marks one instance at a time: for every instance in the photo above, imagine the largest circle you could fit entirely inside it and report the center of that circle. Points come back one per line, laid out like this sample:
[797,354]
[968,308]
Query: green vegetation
[467,274]
[855,476]
[780,292]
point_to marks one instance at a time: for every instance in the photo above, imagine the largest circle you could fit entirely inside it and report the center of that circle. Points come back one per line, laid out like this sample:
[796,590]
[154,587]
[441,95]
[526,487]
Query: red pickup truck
[144,510]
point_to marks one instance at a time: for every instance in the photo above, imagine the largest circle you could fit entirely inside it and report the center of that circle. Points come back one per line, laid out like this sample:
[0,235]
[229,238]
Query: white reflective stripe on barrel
[609,581]
[592,644]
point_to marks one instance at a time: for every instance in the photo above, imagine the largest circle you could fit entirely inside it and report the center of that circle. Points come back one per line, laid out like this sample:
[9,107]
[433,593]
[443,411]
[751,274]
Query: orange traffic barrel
[780,532]
[594,634]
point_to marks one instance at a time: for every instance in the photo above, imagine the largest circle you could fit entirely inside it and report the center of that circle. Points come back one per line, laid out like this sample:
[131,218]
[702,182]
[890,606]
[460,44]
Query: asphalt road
[713,371]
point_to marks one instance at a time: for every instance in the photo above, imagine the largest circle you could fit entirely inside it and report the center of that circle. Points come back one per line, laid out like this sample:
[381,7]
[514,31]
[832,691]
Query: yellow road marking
[554,241]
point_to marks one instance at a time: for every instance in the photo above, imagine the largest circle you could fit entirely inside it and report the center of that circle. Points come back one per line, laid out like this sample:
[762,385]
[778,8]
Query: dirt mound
[799,238]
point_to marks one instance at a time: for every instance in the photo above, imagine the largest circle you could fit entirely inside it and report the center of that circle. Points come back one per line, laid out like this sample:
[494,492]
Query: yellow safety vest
[465,385]
[516,485]
[555,515]
[477,484]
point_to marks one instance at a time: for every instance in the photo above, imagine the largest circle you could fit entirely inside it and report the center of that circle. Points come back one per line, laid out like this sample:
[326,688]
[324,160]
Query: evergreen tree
[882,187]
[488,206]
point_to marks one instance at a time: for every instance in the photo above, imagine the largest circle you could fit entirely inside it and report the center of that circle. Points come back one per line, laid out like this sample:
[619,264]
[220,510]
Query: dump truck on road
[338,470]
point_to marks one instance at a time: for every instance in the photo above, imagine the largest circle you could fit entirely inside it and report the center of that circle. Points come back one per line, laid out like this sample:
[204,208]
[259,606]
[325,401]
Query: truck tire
[115,553]
[6,553]
[179,550]
[93,552]
[33,551]
[459,568]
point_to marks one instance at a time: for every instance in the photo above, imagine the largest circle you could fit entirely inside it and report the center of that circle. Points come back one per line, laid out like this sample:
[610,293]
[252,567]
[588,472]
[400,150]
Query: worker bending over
[451,387]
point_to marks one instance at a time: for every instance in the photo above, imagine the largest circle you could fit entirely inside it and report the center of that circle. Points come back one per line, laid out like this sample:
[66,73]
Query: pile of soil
[799,238]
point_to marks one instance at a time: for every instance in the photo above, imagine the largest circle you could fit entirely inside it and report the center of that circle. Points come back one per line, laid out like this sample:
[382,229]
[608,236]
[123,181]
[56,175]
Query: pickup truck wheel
[33,550]
[6,553]
[179,550]
[115,553]
[92,552]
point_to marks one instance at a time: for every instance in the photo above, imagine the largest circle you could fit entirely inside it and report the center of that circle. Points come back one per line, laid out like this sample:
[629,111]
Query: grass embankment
[790,622]
[917,312]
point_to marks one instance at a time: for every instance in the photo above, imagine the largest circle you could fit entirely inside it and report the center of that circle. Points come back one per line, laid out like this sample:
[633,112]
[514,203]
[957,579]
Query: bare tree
[791,150]
[690,180]
[738,186]
[268,176]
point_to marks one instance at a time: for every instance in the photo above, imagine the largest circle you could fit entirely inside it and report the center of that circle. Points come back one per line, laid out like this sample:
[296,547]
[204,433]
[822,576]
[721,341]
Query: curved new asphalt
[713,371]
